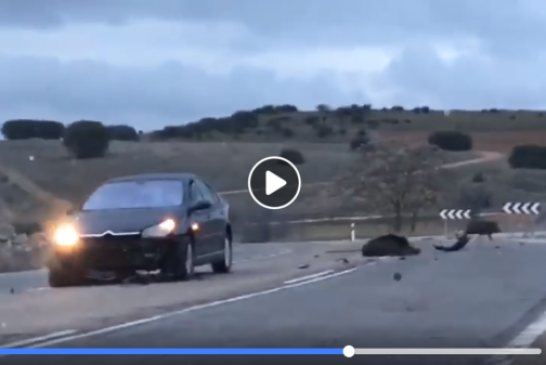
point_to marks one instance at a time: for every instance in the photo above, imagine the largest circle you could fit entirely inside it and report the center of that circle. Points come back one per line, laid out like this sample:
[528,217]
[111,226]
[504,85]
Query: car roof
[182,176]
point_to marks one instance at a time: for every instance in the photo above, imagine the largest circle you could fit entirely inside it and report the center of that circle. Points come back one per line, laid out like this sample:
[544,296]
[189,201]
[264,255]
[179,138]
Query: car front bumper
[114,253]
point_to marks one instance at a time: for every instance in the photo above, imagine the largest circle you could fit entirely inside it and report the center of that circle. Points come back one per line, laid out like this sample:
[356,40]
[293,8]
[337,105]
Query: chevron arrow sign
[456,214]
[522,208]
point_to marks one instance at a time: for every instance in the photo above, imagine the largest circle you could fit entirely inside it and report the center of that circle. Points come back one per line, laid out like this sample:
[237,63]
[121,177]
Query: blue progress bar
[49,351]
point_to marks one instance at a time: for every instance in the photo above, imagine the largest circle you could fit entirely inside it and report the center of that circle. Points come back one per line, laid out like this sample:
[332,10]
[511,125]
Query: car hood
[120,220]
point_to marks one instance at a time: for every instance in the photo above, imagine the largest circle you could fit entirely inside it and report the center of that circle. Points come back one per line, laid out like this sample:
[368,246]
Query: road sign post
[524,208]
[454,214]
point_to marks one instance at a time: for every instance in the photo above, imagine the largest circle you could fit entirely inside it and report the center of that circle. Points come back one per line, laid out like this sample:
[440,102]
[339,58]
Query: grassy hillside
[223,150]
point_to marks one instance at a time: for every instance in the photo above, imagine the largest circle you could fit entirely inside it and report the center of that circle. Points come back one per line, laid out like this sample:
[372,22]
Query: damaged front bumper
[102,258]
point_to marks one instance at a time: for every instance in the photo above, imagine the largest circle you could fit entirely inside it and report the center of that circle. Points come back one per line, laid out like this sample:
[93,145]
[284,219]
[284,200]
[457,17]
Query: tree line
[84,138]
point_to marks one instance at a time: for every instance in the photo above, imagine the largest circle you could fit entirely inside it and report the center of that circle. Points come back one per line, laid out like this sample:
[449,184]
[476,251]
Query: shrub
[293,155]
[28,228]
[478,177]
[373,124]
[450,140]
[287,132]
[86,139]
[312,120]
[324,131]
[358,142]
[357,119]
[122,133]
[28,128]
[528,157]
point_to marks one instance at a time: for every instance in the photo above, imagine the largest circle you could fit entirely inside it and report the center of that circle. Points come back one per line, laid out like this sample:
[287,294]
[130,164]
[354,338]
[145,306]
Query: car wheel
[224,266]
[188,259]
[62,278]
[180,265]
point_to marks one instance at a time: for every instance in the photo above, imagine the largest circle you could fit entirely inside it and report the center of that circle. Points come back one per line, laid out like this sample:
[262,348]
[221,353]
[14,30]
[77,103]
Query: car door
[204,242]
[217,221]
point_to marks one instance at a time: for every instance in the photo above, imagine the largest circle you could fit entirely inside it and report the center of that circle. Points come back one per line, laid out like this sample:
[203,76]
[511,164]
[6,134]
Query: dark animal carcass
[389,245]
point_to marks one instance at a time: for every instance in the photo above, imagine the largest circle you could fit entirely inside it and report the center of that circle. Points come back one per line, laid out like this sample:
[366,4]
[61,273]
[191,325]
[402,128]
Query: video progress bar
[350,351]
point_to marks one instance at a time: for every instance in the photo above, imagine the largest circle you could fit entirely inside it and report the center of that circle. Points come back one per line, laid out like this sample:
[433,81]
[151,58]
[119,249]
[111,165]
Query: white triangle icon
[272,183]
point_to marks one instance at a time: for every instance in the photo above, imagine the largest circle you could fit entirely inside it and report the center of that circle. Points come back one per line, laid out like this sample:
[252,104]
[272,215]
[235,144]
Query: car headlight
[162,229]
[66,235]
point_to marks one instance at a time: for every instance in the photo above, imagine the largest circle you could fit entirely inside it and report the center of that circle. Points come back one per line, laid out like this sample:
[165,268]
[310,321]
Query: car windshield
[136,194]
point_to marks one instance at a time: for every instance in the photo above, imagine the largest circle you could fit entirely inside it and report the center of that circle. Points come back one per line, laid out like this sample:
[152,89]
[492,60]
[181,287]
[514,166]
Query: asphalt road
[480,297]
[18,282]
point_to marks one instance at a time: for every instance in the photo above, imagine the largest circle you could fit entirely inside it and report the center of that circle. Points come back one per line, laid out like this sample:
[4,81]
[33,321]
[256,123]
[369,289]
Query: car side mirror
[202,205]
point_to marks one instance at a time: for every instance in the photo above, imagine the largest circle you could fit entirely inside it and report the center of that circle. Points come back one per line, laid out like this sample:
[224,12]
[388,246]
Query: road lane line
[524,340]
[33,340]
[307,277]
[186,310]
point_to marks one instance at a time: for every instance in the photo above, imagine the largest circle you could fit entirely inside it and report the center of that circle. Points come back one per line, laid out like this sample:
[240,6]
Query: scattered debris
[12,291]
[317,256]
[459,244]
[402,258]
[397,276]
[343,259]
[137,279]
[304,266]
[389,245]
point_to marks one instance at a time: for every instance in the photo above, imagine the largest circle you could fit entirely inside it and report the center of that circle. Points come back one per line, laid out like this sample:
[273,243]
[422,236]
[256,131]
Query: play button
[274,183]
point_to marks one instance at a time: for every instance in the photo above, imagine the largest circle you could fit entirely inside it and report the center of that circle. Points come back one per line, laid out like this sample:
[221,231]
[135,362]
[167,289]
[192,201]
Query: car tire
[187,261]
[224,266]
[62,278]
[181,265]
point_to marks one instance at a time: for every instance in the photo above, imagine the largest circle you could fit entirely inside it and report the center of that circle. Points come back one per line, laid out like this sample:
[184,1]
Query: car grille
[111,240]
[111,251]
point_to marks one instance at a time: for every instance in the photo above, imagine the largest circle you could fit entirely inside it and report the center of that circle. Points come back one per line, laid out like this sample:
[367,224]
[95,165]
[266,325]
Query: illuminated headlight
[66,235]
[162,229]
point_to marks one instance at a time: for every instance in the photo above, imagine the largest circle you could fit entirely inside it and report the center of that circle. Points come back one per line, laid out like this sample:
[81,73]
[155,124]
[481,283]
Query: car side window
[215,197]
[196,194]
[206,192]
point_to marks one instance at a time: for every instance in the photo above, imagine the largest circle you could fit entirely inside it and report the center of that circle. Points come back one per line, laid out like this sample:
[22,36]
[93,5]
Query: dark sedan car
[166,222]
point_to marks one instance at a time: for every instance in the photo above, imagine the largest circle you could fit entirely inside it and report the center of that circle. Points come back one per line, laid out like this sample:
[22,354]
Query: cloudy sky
[152,63]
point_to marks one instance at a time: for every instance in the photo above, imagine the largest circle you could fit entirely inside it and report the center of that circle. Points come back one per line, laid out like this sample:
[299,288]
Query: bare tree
[395,179]
[475,197]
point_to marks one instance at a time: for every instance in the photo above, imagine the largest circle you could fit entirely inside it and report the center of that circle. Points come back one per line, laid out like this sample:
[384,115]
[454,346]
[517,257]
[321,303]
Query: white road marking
[33,340]
[39,289]
[525,339]
[186,310]
[307,277]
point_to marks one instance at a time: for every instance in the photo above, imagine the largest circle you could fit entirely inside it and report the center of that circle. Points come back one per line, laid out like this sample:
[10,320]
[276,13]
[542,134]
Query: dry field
[224,165]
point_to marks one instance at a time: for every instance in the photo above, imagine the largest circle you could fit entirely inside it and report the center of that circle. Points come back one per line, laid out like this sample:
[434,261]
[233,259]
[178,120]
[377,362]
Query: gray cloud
[349,21]
[169,93]
[503,69]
